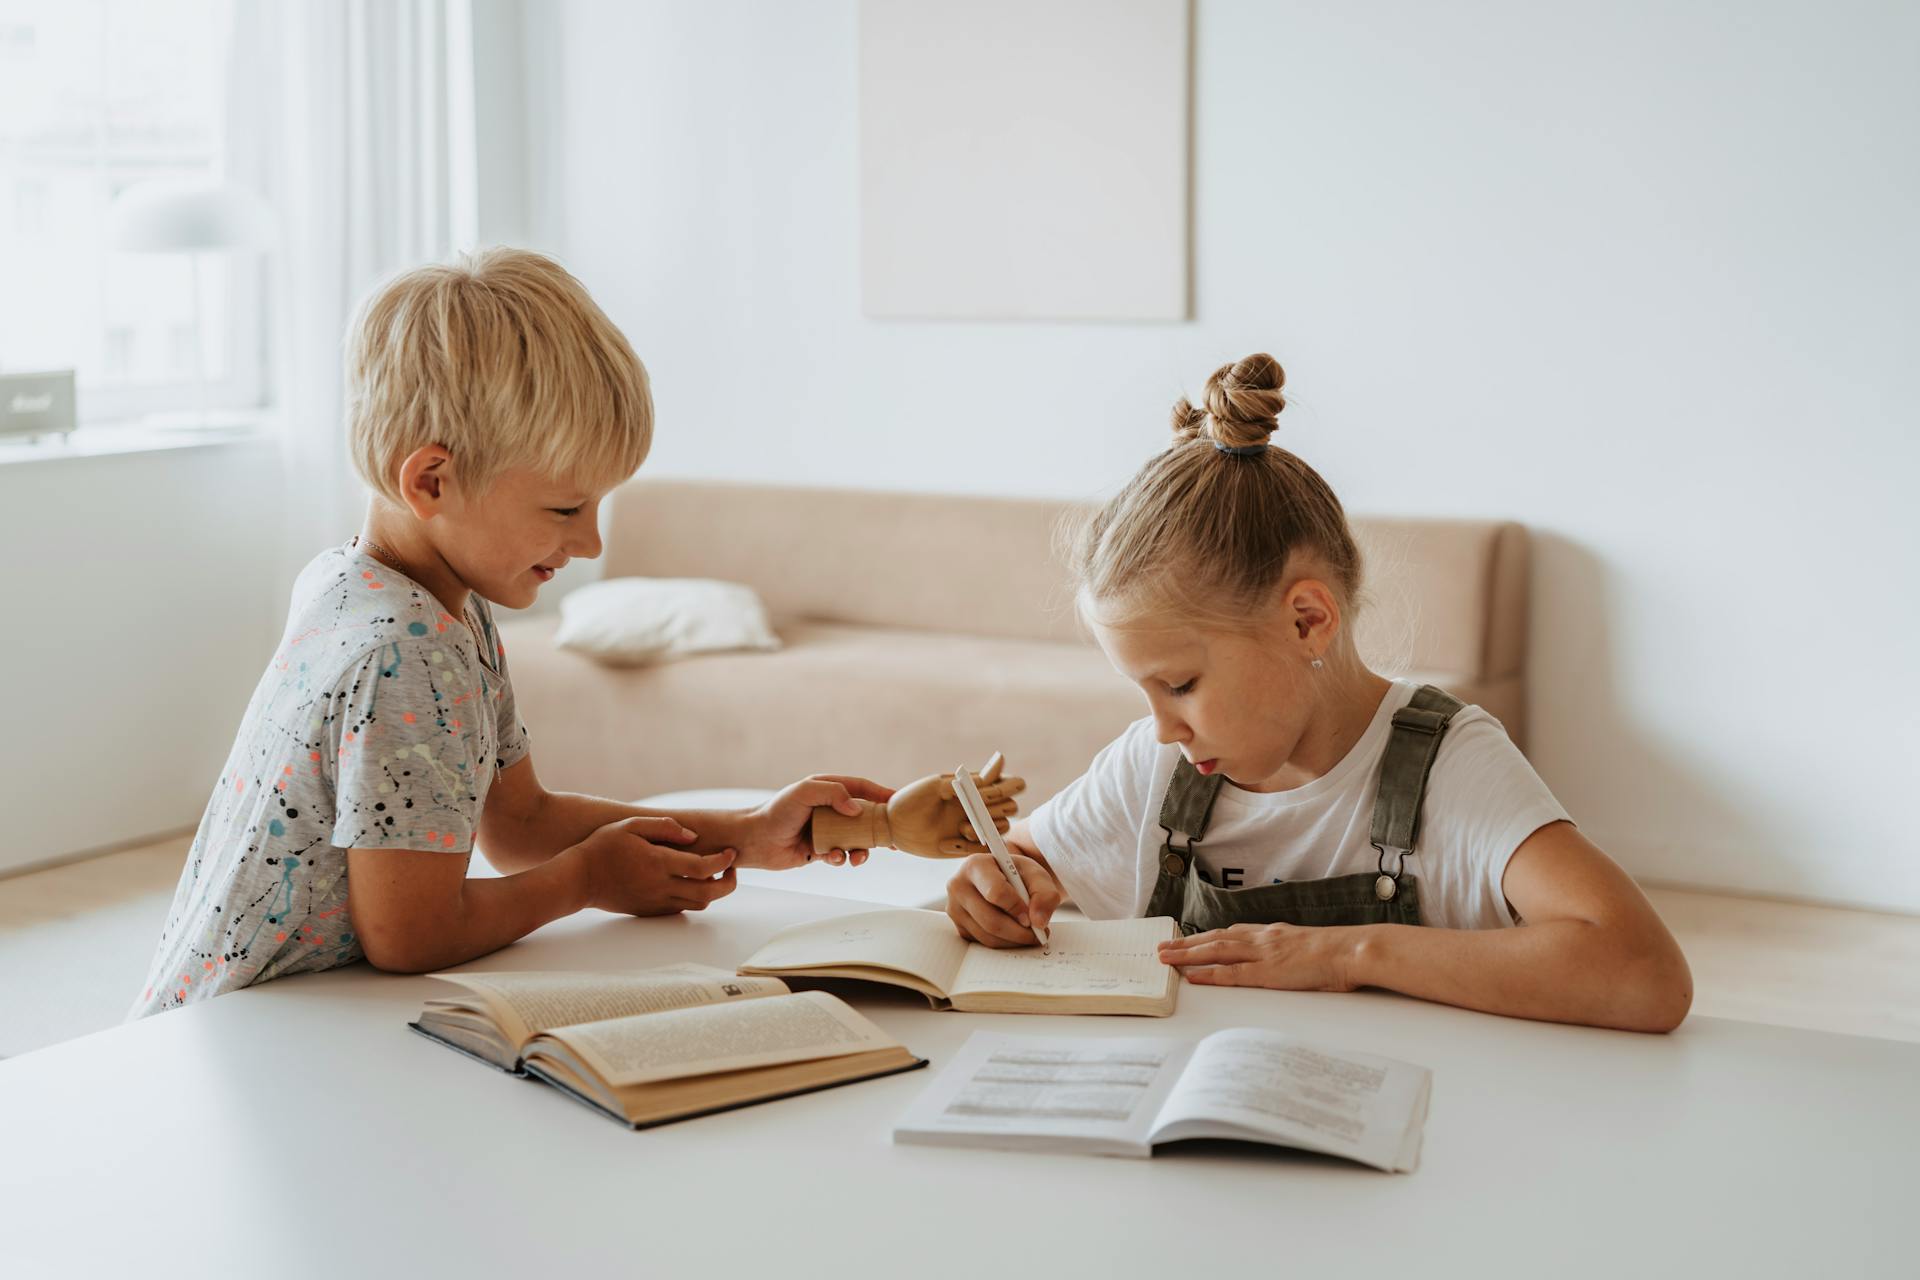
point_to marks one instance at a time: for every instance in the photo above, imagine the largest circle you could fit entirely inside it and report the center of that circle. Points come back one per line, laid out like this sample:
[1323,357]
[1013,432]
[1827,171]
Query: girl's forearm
[1553,971]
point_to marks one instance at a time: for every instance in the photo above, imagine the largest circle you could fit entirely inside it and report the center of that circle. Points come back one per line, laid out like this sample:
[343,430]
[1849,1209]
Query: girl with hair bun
[1311,824]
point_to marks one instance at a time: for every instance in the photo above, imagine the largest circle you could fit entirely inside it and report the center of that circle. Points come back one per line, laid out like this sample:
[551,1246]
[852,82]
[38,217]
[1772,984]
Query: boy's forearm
[491,913]
[1553,971]
[561,820]
[565,818]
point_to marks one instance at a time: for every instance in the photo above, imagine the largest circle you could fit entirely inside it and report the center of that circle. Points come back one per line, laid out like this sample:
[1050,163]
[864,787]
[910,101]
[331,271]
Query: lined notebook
[1090,966]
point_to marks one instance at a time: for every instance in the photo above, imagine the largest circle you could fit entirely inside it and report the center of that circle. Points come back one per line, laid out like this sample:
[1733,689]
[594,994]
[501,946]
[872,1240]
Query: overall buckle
[1178,857]
[1389,882]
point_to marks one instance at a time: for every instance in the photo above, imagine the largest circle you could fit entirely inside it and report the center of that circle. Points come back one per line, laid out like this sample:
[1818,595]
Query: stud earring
[1317,664]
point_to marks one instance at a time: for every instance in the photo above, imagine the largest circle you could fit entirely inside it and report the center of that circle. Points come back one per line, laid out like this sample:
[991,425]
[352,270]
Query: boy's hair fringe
[502,359]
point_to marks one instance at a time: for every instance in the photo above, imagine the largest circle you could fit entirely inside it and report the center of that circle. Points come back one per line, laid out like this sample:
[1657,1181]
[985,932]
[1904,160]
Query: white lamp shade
[184,217]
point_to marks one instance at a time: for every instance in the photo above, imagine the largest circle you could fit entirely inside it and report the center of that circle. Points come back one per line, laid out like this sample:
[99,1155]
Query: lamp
[196,218]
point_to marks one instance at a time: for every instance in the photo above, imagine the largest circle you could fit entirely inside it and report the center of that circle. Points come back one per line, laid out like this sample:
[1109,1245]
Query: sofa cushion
[629,621]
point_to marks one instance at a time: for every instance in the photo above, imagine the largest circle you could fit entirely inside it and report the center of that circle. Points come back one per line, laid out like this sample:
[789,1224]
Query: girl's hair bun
[1189,423]
[1244,399]
[1243,403]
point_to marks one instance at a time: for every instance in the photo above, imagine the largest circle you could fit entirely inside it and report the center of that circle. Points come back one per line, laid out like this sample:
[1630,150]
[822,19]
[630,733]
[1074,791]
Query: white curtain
[355,120]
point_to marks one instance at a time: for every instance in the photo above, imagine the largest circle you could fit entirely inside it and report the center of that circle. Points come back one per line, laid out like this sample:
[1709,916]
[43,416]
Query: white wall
[144,594]
[1639,275]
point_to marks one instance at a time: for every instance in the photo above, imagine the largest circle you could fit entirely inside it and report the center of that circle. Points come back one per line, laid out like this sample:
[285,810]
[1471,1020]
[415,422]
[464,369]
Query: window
[96,95]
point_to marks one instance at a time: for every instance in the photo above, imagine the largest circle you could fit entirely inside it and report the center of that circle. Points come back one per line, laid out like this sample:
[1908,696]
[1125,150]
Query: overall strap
[1184,813]
[1415,741]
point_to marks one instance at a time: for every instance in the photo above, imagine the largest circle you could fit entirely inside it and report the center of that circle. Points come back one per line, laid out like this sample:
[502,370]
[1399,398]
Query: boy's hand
[985,907]
[780,831]
[629,872]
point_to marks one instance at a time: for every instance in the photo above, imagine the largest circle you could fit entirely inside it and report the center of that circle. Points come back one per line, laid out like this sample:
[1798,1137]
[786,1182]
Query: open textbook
[1089,966]
[495,1014]
[1123,1097]
[661,1044]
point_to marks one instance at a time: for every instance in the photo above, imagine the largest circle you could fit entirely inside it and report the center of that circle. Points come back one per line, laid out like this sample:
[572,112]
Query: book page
[1346,1104]
[1083,958]
[535,1002]
[922,943]
[1022,1091]
[723,1037]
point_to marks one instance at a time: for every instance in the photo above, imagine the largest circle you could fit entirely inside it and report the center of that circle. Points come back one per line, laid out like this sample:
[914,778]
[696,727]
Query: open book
[1090,966]
[661,1044]
[1123,1097]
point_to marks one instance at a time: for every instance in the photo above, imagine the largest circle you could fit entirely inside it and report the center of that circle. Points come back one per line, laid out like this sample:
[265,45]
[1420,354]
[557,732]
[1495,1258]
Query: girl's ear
[1313,613]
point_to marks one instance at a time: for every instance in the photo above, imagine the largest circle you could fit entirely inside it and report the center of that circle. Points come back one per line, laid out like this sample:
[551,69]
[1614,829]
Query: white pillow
[628,621]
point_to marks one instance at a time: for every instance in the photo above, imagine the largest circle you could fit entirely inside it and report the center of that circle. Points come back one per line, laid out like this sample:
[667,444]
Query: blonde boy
[491,407]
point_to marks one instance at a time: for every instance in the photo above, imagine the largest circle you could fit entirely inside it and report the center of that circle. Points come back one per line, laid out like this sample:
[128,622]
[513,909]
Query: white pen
[982,820]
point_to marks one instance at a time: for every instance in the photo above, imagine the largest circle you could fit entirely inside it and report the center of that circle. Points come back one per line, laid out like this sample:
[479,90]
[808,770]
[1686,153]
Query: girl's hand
[985,907]
[779,834]
[1285,956]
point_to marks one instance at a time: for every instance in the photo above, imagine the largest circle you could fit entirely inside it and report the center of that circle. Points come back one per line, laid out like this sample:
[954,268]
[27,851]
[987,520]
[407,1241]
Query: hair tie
[1241,450]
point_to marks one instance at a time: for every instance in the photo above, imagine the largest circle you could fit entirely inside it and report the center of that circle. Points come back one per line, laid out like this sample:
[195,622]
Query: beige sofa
[924,631]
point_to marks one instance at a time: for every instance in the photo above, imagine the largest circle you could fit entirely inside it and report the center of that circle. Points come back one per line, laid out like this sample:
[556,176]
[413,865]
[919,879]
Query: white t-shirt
[1103,836]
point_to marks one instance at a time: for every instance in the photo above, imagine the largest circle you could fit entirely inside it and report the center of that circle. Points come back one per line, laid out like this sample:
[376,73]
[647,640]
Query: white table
[299,1129]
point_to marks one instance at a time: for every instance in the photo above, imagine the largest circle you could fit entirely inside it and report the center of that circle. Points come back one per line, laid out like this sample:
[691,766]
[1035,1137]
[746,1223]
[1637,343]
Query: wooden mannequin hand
[924,817]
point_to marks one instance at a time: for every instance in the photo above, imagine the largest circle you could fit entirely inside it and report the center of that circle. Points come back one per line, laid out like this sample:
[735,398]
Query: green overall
[1389,897]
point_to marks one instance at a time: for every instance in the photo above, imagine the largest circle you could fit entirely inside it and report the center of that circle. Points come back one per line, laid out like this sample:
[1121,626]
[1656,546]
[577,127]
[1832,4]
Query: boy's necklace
[379,553]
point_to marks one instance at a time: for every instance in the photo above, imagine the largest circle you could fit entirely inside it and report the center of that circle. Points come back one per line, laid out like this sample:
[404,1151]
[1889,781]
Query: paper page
[723,1037]
[1346,1104]
[540,1001]
[1003,1090]
[922,943]
[1084,958]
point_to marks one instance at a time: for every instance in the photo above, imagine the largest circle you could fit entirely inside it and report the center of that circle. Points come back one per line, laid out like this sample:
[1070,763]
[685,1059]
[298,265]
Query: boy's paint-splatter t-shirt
[380,723]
